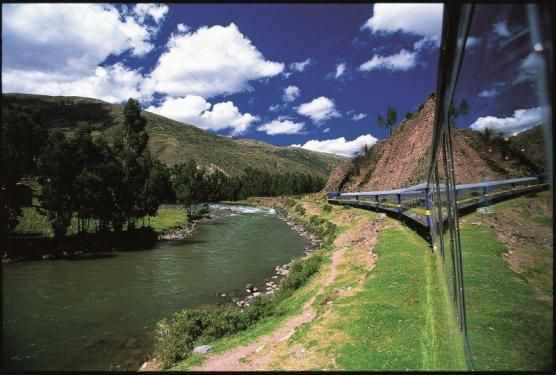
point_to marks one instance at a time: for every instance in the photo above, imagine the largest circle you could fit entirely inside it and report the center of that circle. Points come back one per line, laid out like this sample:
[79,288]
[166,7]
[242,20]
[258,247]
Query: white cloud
[326,130]
[57,49]
[339,146]
[340,70]
[281,126]
[300,66]
[501,29]
[291,93]
[211,61]
[427,42]
[195,110]
[403,60]
[156,11]
[358,116]
[522,119]
[529,68]
[274,108]
[69,38]
[319,109]
[113,84]
[183,28]
[419,19]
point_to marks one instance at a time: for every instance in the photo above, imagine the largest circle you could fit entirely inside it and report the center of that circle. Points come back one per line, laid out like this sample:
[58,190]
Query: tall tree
[390,120]
[21,142]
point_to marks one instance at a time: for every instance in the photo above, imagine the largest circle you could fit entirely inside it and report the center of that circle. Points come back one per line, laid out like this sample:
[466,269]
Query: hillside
[171,141]
[402,159]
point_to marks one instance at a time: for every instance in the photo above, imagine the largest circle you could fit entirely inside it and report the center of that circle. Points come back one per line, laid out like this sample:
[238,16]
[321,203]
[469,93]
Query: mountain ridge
[169,140]
[402,159]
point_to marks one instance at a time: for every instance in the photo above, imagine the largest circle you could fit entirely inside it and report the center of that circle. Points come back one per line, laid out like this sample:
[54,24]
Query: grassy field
[32,221]
[401,320]
[396,318]
[168,217]
[509,296]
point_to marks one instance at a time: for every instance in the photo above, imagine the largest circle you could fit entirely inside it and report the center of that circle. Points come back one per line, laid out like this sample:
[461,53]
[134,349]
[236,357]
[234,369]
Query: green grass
[508,328]
[287,307]
[168,217]
[32,221]
[401,320]
[171,141]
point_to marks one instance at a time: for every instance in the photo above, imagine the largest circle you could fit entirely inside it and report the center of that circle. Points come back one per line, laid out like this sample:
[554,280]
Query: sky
[302,75]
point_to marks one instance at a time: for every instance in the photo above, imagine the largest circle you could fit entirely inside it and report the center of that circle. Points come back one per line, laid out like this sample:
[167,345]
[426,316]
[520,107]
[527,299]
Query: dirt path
[260,354]
[234,359]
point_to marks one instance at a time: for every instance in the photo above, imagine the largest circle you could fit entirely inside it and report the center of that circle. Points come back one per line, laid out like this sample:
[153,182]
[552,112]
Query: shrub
[327,208]
[176,337]
[299,209]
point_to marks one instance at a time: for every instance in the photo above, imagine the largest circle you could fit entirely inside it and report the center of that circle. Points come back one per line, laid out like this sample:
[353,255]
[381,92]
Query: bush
[299,209]
[176,337]
[327,208]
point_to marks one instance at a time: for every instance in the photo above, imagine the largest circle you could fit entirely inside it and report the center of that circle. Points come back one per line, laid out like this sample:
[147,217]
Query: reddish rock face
[402,160]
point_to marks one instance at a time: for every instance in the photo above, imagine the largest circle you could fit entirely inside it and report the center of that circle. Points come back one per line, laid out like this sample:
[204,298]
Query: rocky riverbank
[272,284]
[179,233]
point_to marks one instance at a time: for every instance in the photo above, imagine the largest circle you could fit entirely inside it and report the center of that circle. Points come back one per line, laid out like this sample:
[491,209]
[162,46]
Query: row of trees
[194,184]
[114,185]
[83,175]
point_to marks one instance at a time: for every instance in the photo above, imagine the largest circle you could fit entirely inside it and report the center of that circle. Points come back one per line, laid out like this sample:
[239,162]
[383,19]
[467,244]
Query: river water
[99,314]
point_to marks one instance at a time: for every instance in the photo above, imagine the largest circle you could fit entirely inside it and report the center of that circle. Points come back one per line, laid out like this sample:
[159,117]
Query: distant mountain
[402,160]
[171,141]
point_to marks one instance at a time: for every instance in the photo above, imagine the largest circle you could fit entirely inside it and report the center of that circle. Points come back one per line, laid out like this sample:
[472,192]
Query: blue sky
[312,75]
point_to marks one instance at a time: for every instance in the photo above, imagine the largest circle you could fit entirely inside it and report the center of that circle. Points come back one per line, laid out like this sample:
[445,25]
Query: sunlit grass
[509,328]
[401,320]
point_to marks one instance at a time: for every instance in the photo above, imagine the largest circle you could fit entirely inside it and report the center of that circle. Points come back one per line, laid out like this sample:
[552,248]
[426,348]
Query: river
[99,314]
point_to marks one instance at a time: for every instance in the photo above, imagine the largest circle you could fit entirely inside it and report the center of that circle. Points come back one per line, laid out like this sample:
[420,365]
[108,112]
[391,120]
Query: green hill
[171,141]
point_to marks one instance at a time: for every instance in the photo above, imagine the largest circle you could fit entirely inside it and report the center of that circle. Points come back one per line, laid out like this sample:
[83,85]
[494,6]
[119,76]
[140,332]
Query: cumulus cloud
[274,108]
[113,84]
[300,66]
[291,93]
[339,146]
[358,116]
[195,110]
[424,20]
[522,119]
[183,28]
[319,109]
[427,42]
[57,49]
[156,11]
[281,126]
[403,60]
[211,61]
[69,38]
[419,19]
[340,70]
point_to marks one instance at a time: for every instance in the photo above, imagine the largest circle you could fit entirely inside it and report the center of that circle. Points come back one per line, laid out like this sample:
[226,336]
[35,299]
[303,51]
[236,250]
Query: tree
[58,170]
[390,121]
[21,142]
[136,161]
